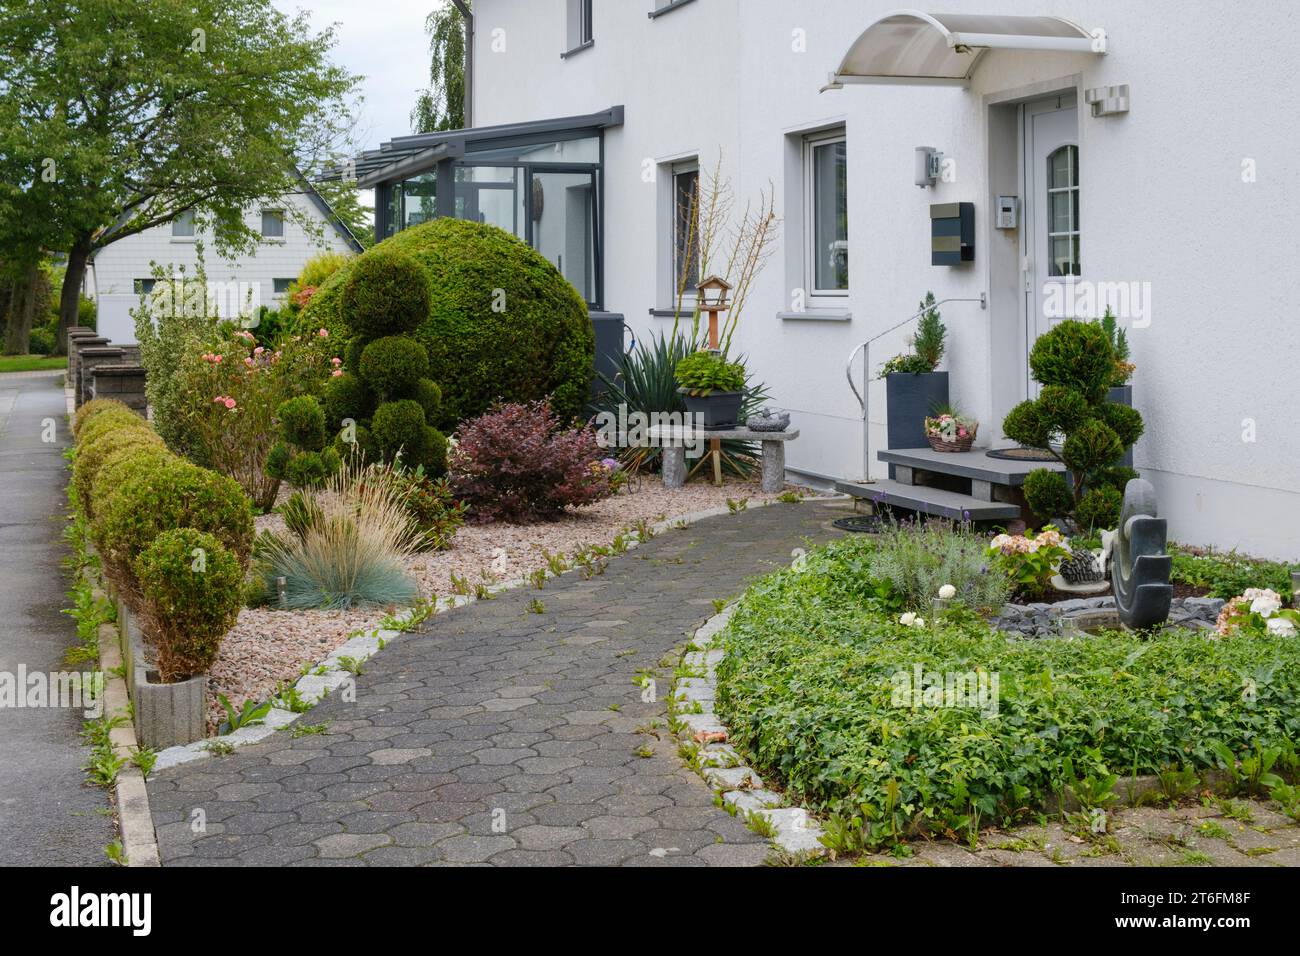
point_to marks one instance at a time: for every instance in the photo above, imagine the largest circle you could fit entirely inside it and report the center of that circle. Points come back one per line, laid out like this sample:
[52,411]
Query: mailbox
[952,233]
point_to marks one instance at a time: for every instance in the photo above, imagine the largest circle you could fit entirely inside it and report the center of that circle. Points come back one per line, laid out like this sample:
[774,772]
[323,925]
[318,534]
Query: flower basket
[961,444]
[951,433]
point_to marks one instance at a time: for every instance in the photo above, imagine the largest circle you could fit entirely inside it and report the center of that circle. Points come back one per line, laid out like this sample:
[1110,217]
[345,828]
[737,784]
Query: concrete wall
[1163,201]
[115,269]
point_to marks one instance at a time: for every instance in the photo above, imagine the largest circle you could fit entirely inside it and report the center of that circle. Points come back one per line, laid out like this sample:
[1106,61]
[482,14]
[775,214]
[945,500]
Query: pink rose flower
[337,373]
[230,403]
[324,333]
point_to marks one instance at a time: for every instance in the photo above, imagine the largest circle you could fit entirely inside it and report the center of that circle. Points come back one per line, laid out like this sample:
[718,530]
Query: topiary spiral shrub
[192,590]
[518,463]
[381,402]
[302,458]
[1076,363]
[503,325]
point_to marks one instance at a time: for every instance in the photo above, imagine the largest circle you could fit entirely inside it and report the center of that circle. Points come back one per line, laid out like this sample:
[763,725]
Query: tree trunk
[18,333]
[70,297]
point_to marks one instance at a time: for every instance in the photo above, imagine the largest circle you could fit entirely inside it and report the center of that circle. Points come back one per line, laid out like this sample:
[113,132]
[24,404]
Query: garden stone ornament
[768,419]
[1140,573]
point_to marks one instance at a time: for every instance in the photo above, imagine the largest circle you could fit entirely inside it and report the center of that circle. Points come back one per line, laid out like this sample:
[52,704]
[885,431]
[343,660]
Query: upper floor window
[280,286]
[143,286]
[272,224]
[183,225]
[578,24]
[826,219]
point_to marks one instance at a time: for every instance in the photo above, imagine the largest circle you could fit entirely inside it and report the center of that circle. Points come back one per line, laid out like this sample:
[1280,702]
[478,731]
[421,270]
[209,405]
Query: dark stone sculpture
[1140,566]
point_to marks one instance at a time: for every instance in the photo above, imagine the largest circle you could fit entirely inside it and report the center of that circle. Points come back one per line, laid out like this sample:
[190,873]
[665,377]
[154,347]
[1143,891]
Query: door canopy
[911,47]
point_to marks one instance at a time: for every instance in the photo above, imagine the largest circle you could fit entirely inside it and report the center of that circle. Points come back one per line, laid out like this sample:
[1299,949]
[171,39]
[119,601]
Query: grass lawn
[31,363]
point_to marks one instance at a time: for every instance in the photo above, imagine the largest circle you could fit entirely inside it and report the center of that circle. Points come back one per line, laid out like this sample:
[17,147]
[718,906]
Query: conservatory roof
[408,154]
[908,46]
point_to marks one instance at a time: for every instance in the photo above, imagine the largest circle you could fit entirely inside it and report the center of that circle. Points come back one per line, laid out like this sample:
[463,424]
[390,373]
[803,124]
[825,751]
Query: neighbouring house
[1111,153]
[120,273]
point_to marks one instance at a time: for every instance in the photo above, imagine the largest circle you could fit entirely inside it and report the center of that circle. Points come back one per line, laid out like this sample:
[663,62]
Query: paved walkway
[500,735]
[48,816]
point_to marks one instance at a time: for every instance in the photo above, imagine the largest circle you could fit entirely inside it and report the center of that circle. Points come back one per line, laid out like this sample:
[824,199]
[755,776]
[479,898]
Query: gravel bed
[268,647]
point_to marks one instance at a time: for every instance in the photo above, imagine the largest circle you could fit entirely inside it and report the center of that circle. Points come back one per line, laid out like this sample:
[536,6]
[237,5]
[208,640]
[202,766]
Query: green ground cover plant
[808,689]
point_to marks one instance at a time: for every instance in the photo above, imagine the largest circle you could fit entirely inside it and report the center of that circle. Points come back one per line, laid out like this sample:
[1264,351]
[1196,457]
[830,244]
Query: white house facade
[1136,155]
[293,229]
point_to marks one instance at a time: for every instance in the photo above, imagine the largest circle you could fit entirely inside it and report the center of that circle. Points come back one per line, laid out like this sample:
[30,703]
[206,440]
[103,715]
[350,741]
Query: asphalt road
[48,815]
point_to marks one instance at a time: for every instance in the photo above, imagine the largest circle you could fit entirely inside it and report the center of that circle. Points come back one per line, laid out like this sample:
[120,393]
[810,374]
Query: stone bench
[674,440]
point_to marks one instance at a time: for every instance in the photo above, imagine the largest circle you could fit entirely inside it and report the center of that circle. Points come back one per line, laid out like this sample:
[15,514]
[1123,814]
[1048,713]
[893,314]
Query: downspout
[468,15]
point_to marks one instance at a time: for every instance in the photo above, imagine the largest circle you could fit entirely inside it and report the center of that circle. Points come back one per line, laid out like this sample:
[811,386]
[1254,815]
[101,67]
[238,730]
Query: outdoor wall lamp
[929,162]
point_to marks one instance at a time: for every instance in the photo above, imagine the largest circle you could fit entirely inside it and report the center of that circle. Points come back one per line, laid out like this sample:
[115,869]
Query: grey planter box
[717,411]
[1123,395]
[909,400]
[166,715]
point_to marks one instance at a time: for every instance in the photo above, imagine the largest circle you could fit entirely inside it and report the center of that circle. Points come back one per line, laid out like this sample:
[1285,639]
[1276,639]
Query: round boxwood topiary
[118,470]
[193,588]
[177,494]
[384,293]
[1099,507]
[93,454]
[1048,494]
[91,410]
[1077,355]
[110,420]
[400,426]
[302,422]
[393,366]
[504,323]
[429,395]
[345,397]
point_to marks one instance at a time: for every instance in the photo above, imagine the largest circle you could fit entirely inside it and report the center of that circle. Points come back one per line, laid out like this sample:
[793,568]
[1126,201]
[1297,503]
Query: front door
[1051,211]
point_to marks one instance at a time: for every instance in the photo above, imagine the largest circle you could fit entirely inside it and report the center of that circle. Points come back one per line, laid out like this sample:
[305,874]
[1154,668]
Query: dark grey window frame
[445,152]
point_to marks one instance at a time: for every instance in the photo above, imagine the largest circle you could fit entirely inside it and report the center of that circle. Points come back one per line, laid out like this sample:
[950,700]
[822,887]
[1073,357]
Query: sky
[384,41]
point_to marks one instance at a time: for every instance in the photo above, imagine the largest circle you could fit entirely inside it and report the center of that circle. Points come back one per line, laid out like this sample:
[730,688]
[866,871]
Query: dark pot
[910,398]
[716,411]
[1123,395]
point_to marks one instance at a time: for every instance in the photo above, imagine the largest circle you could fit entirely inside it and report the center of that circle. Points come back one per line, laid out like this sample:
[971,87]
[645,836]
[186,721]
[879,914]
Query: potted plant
[712,388]
[913,386]
[1119,391]
[950,431]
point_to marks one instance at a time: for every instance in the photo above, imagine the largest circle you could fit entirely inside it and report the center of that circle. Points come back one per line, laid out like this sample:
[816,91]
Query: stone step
[931,501]
[974,464]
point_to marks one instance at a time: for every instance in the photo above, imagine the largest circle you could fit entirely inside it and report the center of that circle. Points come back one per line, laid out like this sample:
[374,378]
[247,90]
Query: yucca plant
[646,382]
[346,547]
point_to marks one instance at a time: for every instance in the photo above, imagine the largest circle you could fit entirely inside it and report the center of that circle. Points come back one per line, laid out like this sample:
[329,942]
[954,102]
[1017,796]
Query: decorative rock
[769,419]
[751,801]
[732,778]
[1081,567]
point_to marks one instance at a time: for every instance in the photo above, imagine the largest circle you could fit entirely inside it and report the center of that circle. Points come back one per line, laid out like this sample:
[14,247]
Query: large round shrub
[192,589]
[109,420]
[93,409]
[504,324]
[383,293]
[345,397]
[400,426]
[1077,355]
[119,469]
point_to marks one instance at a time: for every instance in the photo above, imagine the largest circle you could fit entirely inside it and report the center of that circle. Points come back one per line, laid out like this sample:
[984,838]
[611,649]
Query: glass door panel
[563,214]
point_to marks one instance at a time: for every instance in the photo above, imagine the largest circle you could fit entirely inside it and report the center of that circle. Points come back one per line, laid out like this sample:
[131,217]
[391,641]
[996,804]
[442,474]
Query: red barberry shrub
[519,463]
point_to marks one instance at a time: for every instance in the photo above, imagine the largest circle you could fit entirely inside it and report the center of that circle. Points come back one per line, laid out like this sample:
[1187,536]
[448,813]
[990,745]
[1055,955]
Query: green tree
[345,199]
[119,115]
[442,105]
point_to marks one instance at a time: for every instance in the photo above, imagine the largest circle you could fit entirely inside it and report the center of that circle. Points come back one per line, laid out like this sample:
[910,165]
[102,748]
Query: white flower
[908,619]
[947,592]
[920,622]
[1265,606]
[1281,626]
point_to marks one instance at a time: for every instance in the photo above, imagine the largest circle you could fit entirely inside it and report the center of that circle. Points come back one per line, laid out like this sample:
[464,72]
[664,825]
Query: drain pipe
[468,16]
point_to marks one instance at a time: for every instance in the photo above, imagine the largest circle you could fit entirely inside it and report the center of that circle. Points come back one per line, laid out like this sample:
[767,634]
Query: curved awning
[908,46]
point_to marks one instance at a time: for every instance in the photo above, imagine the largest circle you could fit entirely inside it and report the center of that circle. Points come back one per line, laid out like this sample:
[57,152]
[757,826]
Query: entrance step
[931,501]
[974,464]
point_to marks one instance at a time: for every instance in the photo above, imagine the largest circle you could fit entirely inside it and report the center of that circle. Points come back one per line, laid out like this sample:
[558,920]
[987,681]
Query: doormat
[860,524]
[1022,454]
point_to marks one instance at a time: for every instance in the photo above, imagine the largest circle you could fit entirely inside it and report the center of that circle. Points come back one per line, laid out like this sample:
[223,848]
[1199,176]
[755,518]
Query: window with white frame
[272,224]
[826,213]
[578,23]
[686,229]
[280,286]
[183,225]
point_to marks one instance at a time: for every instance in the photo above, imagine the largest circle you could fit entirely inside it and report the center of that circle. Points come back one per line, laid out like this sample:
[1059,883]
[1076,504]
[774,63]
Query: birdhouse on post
[711,297]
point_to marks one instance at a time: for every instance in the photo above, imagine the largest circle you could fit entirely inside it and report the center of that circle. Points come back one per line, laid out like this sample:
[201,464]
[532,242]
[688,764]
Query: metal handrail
[866,362]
